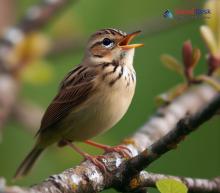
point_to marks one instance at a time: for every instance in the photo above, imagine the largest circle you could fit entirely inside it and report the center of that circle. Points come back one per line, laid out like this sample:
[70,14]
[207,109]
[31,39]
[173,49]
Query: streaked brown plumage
[92,98]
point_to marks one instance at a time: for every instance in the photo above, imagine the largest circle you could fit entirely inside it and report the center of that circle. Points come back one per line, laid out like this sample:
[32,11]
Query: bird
[91,98]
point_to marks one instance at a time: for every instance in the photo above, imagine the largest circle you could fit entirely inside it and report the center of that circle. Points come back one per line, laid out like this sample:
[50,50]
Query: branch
[36,17]
[170,141]
[39,15]
[197,105]
[145,179]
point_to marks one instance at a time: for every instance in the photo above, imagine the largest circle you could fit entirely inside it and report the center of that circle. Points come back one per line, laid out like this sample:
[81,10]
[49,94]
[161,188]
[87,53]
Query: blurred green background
[197,156]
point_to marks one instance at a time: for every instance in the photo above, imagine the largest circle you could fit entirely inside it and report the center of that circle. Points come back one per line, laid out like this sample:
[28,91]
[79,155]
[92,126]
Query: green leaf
[171,186]
[213,21]
[209,39]
[172,63]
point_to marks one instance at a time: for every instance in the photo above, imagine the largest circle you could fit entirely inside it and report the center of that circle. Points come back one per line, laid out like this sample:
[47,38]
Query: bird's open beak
[124,44]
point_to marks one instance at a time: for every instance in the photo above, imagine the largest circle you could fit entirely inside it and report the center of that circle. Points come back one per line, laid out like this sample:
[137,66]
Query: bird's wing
[76,88]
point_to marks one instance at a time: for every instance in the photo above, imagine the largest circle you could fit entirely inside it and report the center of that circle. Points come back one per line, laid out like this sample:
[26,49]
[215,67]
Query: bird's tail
[28,162]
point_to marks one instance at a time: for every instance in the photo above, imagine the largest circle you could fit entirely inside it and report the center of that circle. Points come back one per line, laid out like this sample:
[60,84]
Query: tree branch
[170,141]
[146,179]
[189,110]
[36,17]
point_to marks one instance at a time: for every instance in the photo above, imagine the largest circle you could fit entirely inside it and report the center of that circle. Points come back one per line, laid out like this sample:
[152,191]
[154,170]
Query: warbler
[91,99]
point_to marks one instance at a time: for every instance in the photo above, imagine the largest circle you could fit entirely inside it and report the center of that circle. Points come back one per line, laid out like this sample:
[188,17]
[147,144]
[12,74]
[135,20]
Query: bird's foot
[124,151]
[96,160]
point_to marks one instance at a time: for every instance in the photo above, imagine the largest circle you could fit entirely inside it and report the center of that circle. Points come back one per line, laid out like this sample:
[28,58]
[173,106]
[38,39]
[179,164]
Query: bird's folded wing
[76,88]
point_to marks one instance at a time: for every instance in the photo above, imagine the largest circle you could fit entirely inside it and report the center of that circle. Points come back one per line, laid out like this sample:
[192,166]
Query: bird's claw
[124,151]
[96,160]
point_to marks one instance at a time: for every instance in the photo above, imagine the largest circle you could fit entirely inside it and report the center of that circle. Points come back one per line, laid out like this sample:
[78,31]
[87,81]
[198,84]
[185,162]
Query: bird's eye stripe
[117,31]
[112,32]
[97,56]
[96,44]
[107,32]
[99,43]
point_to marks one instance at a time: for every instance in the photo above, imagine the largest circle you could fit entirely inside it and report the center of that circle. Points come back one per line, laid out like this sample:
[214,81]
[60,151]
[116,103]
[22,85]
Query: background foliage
[197,156]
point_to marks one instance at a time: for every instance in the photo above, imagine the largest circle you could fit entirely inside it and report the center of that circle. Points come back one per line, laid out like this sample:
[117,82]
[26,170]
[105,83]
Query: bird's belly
[103,113]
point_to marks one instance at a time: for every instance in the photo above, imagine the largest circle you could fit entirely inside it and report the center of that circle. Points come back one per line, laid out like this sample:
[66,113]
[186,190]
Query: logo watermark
[168,14]
[187,13]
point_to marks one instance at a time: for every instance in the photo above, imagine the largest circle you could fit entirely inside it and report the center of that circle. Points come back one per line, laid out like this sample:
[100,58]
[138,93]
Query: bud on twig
[213,63]
[172,63]
[190,59]
[196,56]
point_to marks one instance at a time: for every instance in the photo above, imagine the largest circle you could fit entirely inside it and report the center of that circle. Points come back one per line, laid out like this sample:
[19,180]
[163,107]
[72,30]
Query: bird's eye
[107,43]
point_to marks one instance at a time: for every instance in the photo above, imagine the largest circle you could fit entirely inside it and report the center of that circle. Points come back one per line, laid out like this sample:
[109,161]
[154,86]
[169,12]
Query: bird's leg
[119,149]
[94,159]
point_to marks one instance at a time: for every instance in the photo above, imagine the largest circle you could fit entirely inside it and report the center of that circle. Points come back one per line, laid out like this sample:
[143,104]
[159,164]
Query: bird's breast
[111,101]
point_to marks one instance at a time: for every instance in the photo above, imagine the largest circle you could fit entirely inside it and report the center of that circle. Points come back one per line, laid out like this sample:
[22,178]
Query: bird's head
[109,45]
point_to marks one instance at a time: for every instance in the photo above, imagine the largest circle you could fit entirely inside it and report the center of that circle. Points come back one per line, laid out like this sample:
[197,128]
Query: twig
[146,179]
[86,177]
